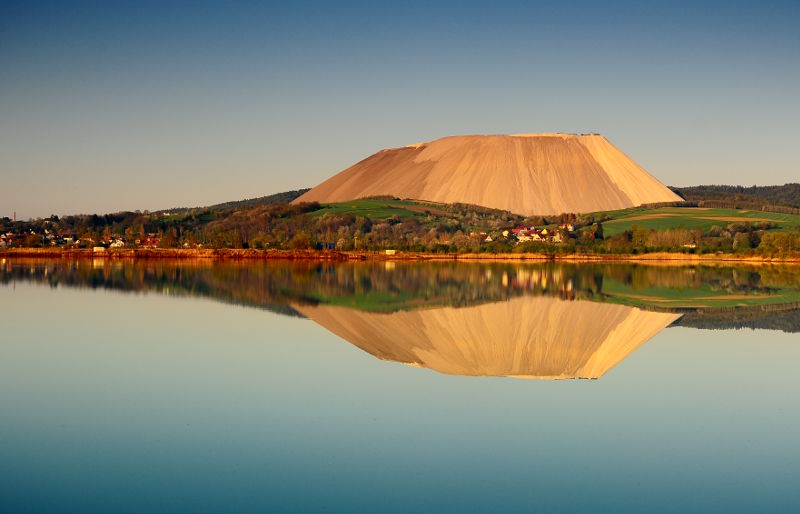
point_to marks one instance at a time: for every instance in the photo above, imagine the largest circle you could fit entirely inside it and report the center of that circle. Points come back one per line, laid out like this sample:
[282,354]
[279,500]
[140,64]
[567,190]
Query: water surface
[250,387]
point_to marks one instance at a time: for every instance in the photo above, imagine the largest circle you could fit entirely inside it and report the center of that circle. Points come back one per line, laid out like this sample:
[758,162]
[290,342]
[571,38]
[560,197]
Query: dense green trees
[785,198]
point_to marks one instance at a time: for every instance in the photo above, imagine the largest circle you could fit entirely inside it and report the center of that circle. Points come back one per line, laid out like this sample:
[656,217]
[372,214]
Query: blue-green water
[120,401]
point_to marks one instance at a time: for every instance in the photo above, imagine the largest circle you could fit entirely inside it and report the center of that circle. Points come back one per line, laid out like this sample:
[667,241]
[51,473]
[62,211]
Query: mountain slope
[524,173]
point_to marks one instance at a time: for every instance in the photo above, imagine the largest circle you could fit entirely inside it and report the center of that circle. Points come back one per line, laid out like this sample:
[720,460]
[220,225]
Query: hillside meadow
[691,218]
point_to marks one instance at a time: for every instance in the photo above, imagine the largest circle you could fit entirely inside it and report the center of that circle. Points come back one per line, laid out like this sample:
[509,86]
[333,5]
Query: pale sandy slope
[523,173]
[529,337]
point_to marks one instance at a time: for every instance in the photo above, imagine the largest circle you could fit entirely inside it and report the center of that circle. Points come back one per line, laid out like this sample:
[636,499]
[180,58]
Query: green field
[690,218]
[378,209]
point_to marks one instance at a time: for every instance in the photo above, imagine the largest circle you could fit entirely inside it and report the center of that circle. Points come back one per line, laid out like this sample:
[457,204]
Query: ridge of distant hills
[787,195]
[247,203]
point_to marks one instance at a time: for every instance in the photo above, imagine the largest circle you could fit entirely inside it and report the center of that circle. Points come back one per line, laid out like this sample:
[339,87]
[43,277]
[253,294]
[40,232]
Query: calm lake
[208,387]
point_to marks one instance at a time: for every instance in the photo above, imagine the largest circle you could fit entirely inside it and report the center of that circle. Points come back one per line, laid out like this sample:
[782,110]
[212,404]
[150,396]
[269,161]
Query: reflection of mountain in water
[545,320]
[531,337]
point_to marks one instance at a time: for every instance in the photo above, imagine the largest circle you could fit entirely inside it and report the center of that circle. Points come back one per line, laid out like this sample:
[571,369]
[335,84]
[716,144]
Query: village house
[523,230]
[68,237]
[525,234]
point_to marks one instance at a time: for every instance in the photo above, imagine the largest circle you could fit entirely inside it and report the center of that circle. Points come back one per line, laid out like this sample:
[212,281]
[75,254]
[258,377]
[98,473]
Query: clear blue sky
[108,106]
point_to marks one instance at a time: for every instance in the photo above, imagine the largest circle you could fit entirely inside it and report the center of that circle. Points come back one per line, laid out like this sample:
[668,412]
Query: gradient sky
[108,106]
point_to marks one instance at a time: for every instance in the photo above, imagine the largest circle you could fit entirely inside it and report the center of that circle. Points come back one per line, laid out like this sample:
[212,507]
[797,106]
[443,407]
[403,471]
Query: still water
[397,387]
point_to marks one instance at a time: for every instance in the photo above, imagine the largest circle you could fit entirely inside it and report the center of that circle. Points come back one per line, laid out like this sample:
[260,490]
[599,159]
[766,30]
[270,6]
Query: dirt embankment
[329,255]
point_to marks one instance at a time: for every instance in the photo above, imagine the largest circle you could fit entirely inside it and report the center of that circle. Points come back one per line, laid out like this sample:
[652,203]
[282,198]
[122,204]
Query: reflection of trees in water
[785,317]
[404,285]
[723,279]
[387,286]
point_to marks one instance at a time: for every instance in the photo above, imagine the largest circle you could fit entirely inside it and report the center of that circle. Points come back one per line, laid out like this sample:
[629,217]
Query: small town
[31,239]
[48,238]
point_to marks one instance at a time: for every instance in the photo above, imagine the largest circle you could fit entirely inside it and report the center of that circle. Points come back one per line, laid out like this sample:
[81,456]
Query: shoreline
[341,256]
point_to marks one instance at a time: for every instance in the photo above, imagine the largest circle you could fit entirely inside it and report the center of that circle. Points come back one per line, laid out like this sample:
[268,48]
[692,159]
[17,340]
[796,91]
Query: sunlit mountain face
[529,174]
[546,320]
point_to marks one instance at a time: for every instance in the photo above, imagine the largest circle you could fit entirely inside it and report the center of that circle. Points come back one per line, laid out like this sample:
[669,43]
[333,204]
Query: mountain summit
[526,174]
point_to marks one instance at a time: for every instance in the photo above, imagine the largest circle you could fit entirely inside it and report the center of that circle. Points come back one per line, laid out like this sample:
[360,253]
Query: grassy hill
[691,218]
[377,208]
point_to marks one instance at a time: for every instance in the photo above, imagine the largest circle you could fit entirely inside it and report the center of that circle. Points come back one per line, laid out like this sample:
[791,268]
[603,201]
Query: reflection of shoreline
[525,337]
[760,297]
[654,258]
[529,320]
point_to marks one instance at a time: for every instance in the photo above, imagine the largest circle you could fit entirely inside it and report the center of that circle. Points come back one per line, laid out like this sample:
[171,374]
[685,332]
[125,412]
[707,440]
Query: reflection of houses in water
[543,279]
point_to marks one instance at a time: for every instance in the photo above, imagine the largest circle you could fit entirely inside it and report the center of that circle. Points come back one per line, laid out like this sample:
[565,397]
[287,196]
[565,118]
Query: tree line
[456,228]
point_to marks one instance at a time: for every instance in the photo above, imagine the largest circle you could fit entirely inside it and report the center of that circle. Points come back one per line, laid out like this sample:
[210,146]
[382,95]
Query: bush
[32,241]
[779,243]
[741,241]
[300,241]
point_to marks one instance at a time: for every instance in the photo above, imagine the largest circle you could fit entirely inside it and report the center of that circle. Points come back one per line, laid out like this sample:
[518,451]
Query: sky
[109,106]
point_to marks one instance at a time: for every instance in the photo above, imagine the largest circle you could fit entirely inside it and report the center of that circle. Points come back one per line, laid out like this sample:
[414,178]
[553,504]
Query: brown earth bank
[241,254]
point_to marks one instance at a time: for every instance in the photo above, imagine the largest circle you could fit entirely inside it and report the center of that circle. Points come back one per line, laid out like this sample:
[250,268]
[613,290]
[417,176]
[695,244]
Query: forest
[785,198]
